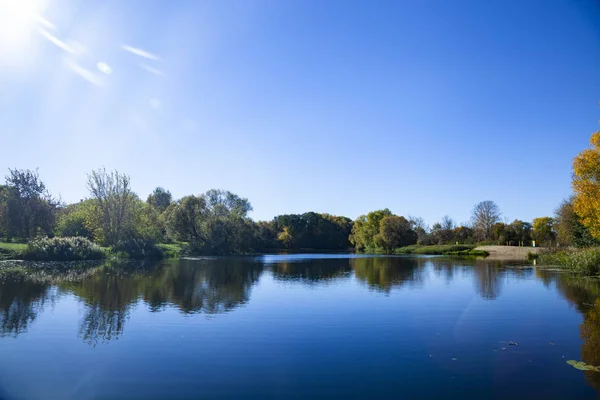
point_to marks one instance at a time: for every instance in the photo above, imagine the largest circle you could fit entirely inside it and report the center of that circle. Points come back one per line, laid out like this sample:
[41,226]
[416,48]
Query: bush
[584,262]
[138,248]
[63,249]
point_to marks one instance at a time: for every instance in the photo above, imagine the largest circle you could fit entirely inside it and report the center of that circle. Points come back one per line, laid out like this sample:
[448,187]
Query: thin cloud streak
[152,70]
[84,73]
[140,52]
[56,41]
[43,21]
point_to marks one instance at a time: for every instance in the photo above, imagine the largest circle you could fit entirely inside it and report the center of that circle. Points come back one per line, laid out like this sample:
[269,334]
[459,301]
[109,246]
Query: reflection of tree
[384,273]
[590,350]
[584,294]
[209,286]
[21,300]
[108,296]
[488,279]
[312,271]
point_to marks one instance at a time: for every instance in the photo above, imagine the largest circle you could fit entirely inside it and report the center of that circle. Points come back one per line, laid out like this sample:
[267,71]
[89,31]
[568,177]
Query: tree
[115,204]
[366,227]
[213,223]
[463,234]
[27,208]
[160,199]
[569,229]
[485,215]
[74,220]
[543,231]
[394,232]
[586,186]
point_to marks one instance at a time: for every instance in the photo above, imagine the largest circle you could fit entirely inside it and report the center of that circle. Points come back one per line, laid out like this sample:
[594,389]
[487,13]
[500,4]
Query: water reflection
[316,271]
[109,292]
[21,300]
[385,273]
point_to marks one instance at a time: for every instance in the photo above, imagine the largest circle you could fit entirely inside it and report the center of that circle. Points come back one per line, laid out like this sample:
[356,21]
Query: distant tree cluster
[217,222]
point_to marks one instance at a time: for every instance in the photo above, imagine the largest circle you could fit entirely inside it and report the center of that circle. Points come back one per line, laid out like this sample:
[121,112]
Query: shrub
[63,249]
[584,262]
[138,248]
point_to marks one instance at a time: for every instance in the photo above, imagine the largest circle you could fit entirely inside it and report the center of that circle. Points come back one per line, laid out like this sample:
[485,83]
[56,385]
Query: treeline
[217,222]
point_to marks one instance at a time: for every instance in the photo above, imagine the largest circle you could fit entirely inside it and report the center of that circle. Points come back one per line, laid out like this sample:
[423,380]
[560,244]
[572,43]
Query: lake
[297,326]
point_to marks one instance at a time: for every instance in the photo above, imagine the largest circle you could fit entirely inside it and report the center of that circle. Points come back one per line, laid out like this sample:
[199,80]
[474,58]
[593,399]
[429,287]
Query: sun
[18,21]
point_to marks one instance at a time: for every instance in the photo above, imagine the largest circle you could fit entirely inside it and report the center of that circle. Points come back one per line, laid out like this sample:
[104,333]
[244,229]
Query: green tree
[366,227]
[27,209]
[73,220]
[394,232]
[213,223]
[570,231]
[115,205]
[160,199]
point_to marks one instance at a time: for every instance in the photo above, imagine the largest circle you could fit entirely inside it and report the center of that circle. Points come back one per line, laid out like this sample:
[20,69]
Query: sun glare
[18,19]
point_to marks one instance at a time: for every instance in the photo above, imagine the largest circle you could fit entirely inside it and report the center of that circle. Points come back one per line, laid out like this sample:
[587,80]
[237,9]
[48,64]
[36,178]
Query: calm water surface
[302,326]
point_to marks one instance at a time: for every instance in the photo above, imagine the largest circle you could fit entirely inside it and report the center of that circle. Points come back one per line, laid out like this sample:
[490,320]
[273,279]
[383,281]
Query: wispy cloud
[152,70]
[56,41]
[84,73]
[43,21]
[140,52]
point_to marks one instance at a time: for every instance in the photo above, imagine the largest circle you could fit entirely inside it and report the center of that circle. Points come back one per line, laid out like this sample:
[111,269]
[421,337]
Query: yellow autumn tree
[586,185]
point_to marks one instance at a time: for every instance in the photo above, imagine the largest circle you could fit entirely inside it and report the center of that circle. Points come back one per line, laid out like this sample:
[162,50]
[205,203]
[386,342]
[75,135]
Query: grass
[583,262]
[11,251]
[442,249]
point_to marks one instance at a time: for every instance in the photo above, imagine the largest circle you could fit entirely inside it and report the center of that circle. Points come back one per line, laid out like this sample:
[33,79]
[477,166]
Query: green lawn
[11,251]
[12,246]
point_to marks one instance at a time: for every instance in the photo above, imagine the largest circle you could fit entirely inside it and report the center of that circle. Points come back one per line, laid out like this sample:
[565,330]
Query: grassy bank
[583,262]
[445,249]
[12,251]
[78,249]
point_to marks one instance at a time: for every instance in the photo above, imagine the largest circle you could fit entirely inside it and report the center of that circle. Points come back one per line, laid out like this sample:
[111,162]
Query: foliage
[312,231]
[63,249]
[114,205]
[585,262]
[569,229]
[213,223]
[26,207]
[366,227]
[485,215]
[160,199]
[394,232]
[586,185]
[543,230]
[11,251]
[138,248]
[73,221]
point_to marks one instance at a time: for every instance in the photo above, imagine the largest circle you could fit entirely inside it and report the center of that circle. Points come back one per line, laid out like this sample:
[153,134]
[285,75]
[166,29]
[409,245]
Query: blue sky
[424,107]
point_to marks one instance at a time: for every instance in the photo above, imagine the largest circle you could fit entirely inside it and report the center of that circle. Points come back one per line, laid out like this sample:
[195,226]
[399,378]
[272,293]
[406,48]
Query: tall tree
[586,185]
[213,223]
[394,232]
[569,229]
[543,231]
[160,199]
[27,207]
[485,215]
[115,204]
[366,227]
